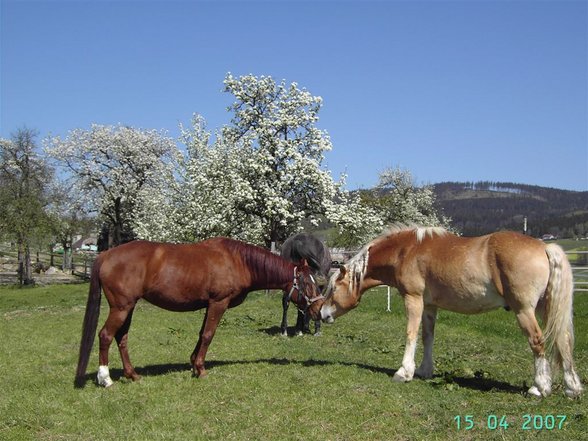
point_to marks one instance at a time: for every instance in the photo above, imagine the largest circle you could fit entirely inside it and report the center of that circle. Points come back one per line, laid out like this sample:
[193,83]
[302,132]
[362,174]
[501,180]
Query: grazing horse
[432,268]
[215,274]
[304,246]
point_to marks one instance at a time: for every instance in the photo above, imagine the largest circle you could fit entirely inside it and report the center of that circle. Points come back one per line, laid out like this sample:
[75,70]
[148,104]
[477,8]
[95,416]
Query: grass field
[262,386]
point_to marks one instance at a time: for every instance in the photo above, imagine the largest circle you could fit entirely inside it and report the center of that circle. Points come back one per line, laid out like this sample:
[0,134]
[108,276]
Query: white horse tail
[559,328]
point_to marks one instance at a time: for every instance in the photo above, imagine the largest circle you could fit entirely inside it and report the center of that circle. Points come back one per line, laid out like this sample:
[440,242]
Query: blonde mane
[357,265]
[421,232]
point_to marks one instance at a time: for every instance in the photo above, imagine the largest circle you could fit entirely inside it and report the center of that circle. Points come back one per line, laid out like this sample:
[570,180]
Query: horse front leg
[427,366]
[317,328]
[302,323]
[285,304]
[413,305]
[122,337]
[212,318]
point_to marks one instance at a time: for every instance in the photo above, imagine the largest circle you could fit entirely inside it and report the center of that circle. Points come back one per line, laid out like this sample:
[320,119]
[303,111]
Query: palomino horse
[304,246]
[215,274]
[435,269]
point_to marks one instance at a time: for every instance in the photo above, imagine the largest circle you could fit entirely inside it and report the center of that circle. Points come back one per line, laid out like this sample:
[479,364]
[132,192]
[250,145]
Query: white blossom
[115,169]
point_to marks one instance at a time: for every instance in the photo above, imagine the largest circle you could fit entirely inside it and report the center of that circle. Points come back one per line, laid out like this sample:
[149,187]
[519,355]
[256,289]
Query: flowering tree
[113,168]
[259,178]
[356,222]
[281,151]
[400,200]
[207,198]
[67,221]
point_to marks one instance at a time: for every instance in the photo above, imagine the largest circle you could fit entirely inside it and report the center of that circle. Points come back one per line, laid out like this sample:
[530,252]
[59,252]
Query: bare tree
[23,195]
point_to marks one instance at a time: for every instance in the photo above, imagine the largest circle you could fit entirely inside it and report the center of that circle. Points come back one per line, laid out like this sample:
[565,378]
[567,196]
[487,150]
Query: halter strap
[295,286]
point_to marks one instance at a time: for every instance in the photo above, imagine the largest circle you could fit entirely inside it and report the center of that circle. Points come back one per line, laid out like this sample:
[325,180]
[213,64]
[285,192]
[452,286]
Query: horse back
[306,246]
[501,267]
[172,276]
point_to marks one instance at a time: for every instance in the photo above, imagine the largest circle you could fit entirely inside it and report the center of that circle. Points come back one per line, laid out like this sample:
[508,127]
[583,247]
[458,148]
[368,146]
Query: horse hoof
[399,377]
[425,375]
[284,333]
[133,376]
[318,334]
[106,383]
[299,334]
[103,377]
[573,393]
[533,391]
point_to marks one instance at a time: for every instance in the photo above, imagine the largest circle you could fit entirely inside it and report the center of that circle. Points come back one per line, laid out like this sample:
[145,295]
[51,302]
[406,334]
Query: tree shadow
[439,380]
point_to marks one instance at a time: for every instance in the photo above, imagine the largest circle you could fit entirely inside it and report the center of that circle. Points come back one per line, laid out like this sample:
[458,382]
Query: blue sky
[450,90]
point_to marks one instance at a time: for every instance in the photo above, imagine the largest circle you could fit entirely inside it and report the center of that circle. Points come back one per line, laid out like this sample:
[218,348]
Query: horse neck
[267,270]
[384,257]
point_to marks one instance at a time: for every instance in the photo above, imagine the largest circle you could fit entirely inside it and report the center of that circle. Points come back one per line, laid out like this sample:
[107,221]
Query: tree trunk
[118,224]
[66,265]
[24,263]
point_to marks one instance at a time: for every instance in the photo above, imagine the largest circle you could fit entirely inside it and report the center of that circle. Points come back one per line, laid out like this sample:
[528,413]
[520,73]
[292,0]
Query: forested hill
[484,207]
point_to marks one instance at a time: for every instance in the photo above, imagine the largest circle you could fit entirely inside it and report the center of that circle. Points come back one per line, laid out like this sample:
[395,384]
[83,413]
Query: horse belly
[177,303]
[471,299]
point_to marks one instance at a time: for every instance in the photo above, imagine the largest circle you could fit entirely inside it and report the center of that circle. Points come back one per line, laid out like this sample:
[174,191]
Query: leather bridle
[298,285]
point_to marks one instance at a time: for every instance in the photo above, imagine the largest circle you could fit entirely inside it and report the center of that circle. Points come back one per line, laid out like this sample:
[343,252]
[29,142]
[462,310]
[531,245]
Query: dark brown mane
[267,269]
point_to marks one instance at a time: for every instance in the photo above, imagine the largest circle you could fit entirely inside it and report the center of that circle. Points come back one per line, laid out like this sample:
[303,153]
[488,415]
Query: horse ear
[342,272]
[303,263]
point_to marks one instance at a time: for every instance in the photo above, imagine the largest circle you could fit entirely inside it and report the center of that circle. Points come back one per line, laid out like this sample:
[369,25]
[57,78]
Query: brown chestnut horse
[433,268]
[215,274]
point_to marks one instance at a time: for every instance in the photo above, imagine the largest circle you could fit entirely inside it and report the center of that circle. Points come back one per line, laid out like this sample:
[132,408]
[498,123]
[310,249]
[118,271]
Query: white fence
[579,261]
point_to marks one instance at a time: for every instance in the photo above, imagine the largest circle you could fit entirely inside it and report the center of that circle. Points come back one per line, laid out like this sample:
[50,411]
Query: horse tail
[559,328]
[90,323]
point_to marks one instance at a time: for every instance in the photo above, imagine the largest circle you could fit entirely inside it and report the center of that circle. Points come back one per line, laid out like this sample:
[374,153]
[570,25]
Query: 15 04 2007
[502,422]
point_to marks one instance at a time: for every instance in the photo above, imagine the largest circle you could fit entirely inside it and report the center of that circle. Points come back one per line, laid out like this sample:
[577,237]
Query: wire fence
[46,266]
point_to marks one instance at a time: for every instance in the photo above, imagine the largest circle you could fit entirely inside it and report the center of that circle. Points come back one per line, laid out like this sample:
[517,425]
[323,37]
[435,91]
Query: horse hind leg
[528,323]
[121,337]
[427,366]
[114,322]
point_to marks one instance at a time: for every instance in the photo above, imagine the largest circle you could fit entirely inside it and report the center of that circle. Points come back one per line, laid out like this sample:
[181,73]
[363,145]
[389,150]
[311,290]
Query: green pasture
[262,386]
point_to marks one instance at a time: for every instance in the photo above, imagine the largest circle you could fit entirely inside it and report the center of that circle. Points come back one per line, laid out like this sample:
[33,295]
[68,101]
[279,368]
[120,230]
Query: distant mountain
[483,207]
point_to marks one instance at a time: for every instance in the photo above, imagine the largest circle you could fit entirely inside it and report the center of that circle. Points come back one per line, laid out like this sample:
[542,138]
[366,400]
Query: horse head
[304,290]
[341,295]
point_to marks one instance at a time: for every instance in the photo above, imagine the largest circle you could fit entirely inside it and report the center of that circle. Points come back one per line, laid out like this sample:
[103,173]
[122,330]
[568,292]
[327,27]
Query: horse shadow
[439,380]
[276,330]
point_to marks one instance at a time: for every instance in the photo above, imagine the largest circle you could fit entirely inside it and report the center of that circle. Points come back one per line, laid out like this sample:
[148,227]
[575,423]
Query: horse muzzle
[327,314]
